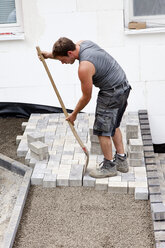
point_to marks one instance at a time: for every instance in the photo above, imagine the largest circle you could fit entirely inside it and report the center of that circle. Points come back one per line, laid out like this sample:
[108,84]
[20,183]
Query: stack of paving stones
[156,182]
[63,165]
[95,146]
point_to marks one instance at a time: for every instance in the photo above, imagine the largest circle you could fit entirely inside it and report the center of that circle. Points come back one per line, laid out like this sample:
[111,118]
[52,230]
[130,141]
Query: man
[97,67]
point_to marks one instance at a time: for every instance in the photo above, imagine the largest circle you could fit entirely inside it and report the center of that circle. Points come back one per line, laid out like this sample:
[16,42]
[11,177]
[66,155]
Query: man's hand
[71,118]
[46,55]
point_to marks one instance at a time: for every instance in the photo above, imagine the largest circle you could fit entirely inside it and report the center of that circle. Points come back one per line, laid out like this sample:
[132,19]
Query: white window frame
[155,24]
[14,31]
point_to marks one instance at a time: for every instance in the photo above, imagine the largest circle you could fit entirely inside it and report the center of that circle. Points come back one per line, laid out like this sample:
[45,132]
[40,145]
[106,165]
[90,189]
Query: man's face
[66,59]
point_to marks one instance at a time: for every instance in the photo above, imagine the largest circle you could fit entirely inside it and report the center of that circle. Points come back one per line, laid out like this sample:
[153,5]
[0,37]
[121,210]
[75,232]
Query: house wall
[142,56]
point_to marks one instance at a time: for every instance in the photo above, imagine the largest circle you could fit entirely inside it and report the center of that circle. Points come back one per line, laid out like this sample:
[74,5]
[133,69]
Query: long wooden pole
[64,109]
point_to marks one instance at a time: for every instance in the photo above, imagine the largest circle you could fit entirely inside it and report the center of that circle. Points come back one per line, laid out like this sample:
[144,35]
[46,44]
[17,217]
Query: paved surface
[64,167]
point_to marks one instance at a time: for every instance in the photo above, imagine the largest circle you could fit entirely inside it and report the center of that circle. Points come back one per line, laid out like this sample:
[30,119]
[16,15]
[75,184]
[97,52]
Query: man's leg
[107,168]
[106,146]
[118,141]
[120,157]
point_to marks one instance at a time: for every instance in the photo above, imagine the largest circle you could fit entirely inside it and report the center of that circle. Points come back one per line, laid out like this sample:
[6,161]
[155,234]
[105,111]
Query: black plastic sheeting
[159,148]
[24,110]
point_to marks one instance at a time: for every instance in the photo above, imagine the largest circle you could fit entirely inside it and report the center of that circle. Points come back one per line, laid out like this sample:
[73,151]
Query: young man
[97,67]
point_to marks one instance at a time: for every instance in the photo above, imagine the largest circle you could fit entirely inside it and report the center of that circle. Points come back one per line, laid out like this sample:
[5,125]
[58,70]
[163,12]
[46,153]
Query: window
[152,12]
[11,24]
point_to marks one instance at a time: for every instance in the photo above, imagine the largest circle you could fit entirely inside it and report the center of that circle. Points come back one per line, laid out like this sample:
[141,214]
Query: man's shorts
[110,109]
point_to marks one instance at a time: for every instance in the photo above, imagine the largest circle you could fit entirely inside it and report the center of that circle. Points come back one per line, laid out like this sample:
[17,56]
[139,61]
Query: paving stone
[154,190]
[159,225]
[49,180]
[148,149]
[146,137]
[18,139]
[127,177]
[160,245]
[117,187]
[143,117]
[22,149]
[63,180]
[152,175]
[155,199]
[133,185]
[135,145]
[23,125]
[148,132]
[38,147]
[96,150]
[75,177]
[149,154]
[39,157]
[32,162]
[36,136]
[88,181]
[142,112]
[135,162]
[150,161]
[115,179]
[145,127]
[141,193]
[27,158]
[134,154]
[151,167]
[153,182]
[144,122]
[132,135]
[37,178]
[101,184]
[158,211]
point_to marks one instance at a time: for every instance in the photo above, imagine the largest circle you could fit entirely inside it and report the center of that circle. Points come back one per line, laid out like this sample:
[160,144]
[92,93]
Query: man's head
[63,50]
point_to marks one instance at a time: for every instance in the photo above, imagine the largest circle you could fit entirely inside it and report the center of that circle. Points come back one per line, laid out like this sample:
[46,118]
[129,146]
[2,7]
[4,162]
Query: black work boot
[121,163]
[106,168]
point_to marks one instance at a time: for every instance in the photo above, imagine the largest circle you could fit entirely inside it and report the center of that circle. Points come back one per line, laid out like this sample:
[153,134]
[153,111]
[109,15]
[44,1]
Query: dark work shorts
[110,108]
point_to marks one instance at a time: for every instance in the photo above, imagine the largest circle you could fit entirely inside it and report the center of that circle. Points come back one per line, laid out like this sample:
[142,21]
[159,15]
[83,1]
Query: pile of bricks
[95,145]
[64,166]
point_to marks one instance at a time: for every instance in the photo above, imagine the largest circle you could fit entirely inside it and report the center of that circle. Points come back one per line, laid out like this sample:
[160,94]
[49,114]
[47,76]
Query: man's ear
[70,53]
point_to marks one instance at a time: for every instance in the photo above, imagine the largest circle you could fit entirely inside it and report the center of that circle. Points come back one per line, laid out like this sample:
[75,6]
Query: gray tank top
[108,73]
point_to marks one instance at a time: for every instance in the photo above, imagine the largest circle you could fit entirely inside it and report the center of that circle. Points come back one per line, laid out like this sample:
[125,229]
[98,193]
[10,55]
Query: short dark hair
[62,46]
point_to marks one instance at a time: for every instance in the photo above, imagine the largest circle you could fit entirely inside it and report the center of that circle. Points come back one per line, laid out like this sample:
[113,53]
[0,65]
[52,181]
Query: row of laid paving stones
[156,180]
[25,172]
[64,165]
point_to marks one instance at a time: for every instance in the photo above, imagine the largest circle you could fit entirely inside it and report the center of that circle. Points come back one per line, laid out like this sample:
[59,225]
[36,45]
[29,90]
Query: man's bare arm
[46,55]
[85,72]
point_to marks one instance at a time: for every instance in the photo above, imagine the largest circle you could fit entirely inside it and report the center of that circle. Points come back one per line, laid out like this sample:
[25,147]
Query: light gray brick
[23,125]
[155,198]
[141,193]
[136,162]
[39,157]
[101,184]
[38,147]
[160,244]
[49,180]
[159,236]
[88,181]
[36,136]
[37,178]
[135,145]
[158,211]
[117,187]
[75,177]
[159,225]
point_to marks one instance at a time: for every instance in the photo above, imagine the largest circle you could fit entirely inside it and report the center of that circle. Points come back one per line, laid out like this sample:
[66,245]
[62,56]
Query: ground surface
[77,217]
[9,188]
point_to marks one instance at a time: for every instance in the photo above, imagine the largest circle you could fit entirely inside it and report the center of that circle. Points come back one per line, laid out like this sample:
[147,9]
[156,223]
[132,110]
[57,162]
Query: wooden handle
[63,106]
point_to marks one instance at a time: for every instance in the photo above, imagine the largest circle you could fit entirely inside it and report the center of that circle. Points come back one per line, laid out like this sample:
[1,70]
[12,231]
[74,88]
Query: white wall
[23,78]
